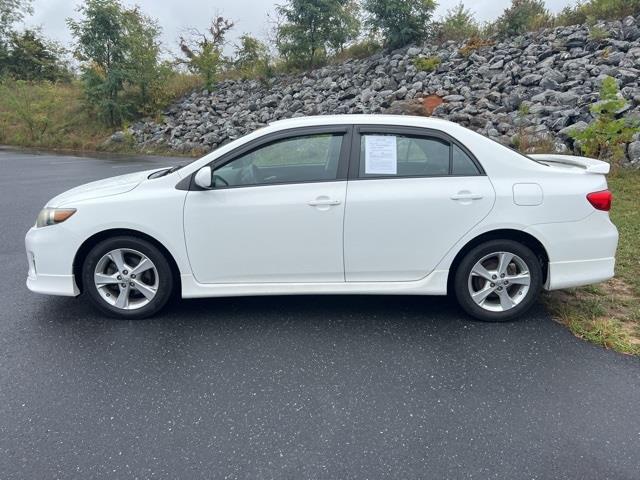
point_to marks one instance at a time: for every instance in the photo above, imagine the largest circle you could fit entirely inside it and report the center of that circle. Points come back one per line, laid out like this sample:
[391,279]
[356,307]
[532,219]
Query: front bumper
[50,262]
[64,285]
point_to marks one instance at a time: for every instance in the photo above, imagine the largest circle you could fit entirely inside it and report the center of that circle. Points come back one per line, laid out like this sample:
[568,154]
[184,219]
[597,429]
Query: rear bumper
[578,273]
[580,253]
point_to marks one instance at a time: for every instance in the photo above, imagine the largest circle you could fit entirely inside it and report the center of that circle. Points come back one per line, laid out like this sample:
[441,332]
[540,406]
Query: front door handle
[465,195]
[322,201]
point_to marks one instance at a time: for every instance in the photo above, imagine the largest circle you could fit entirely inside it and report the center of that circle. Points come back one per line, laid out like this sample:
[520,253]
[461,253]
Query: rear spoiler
[589,164]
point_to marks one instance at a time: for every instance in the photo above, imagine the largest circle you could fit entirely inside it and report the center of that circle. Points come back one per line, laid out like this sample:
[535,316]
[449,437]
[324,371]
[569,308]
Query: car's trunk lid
[570,162]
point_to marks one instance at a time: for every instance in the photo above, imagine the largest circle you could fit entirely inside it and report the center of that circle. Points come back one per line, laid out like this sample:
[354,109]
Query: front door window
[311,158]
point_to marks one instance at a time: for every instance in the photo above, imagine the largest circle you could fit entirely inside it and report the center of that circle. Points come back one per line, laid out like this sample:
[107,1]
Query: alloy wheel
[499,281]
[126,279]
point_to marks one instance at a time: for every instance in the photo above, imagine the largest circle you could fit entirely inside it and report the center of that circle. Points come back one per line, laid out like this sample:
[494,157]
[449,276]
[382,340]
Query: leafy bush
[607,135]
[428,64]
[523,16]
[400,22]
[458,24]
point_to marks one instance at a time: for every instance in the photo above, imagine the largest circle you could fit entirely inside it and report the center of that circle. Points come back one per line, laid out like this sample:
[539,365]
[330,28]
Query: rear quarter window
[462,163]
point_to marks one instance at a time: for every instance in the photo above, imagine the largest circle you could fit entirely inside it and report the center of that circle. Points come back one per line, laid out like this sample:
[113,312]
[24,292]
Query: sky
[250,16]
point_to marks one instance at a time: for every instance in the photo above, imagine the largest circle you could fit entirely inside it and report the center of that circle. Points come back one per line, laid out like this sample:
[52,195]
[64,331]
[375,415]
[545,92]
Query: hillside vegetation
[46,103]
[55,115]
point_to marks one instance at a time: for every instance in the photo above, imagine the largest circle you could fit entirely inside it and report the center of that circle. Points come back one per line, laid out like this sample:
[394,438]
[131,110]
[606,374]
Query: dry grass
[531,144]
[49,116]
[473,44]
[55,116]
[180,84]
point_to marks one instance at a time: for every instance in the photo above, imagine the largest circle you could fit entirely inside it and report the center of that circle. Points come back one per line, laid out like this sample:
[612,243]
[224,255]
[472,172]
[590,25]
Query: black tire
[461,280]
[165,283]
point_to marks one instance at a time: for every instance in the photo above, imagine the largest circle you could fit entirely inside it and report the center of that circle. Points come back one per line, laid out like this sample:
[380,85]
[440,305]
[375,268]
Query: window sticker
[381,155]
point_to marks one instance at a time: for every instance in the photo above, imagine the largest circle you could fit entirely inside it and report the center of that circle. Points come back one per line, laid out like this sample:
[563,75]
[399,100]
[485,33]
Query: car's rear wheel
[498,280]
[127,277]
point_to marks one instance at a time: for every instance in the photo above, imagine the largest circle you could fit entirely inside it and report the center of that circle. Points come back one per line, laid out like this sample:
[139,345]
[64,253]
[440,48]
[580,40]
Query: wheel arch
[502,234]
[96,238]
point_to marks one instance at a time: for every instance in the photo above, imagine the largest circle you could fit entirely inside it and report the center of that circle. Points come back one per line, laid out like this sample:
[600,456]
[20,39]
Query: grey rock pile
[536,88]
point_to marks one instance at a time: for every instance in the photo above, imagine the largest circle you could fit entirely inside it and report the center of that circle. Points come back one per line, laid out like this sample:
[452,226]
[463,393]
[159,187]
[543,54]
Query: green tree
[119,49]
[101,46]
[523,16]
[12,11]
[251,57]
[143,70]
[607,135]
[400,22]
[458,24]
[346,28]
[203,51]
[312,27]
[30,56]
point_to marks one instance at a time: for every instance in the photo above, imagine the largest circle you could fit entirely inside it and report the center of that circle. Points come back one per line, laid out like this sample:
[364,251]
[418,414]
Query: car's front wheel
[127,277]
[498,280]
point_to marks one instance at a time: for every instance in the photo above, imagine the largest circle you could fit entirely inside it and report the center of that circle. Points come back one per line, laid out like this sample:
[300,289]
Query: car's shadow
[321,313]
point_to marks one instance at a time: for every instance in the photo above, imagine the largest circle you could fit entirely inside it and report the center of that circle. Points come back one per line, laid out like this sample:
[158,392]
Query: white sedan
[353,204]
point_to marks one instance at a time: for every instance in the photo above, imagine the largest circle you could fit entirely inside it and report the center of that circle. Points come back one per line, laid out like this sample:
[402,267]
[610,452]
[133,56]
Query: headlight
[51,216]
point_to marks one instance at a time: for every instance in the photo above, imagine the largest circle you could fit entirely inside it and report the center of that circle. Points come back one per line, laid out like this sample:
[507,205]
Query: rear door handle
[466,196]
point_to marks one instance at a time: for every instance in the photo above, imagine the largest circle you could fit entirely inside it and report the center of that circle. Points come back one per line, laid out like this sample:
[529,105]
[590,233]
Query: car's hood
[101,188]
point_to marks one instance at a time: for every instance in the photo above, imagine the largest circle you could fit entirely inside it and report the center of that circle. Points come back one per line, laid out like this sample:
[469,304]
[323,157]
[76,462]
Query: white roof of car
[407,120]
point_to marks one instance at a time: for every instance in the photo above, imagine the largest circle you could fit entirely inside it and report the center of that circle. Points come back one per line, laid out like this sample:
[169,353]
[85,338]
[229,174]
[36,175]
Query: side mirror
[203,178]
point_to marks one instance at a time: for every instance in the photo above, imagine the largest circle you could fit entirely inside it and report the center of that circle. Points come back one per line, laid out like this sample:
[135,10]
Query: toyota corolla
[354,204]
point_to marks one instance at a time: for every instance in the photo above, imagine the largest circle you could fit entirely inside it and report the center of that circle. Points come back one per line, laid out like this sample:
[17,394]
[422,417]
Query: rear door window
[395,155]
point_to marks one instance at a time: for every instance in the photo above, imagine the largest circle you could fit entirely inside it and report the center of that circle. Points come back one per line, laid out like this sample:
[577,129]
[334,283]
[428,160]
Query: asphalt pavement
[314,387]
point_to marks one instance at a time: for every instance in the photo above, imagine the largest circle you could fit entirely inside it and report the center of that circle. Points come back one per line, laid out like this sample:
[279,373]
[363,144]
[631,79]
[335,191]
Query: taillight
[601,200]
